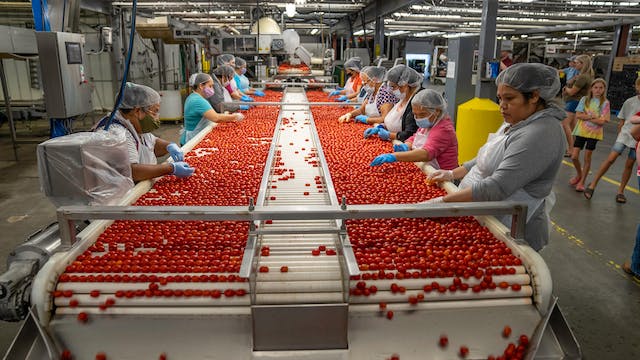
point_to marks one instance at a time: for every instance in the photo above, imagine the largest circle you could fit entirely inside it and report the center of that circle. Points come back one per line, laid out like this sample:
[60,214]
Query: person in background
[435,140]
[521,160]
[572,93]
[198,111]
[241,79]
[592,113]
[136,117]
[624,142]
[222,75]
[231,86]
[570,71]
[379,99]
[353,85]
[399,124]
[632,266]
[505,59]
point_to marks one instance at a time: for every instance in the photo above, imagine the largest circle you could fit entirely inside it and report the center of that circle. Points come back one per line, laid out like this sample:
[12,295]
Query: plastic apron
[348,86]
[244,82]
[393,120]
[190,134]
[487,161]
[419,139]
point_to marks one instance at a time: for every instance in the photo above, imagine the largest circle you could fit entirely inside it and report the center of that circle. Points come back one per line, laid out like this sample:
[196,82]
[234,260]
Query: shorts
[571,105]
[579,142]
[619,148]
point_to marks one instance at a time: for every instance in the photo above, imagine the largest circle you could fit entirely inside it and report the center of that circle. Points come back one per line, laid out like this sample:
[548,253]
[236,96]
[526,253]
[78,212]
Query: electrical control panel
[67,91]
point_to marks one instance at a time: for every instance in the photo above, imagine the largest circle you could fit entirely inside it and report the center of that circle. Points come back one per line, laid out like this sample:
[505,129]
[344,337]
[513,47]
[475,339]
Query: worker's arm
[141,172]
[212,115]
[160,149]
[463,195]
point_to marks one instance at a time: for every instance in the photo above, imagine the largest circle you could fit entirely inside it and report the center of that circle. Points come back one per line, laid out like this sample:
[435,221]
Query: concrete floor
[589,242]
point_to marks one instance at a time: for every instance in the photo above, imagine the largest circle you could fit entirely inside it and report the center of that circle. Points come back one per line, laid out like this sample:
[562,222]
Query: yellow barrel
[477,118]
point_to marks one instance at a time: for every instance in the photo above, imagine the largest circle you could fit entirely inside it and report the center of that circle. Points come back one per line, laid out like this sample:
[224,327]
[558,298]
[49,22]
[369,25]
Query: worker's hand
[182,170]
[258,93]
[370,132]
[400,147]
[383,159]
[384,134]
[176,153]
[338,88]
[343,98]
[345,118]
[246,98]
[440,176]
[362,118]
[244,107]
[238,116]
[334,93]
[436,200]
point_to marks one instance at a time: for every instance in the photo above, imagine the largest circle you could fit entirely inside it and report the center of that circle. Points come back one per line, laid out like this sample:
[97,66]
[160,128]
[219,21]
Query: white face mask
[397,93]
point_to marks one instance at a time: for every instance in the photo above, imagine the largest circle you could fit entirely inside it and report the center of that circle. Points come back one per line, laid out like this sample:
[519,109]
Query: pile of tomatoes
[270,96]
[288,68]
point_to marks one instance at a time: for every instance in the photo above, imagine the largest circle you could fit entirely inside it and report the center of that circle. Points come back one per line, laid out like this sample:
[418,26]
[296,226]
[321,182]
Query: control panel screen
[74,52]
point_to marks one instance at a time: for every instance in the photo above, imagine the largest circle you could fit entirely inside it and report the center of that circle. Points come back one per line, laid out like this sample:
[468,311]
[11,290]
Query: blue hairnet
[138,96]
[526,78]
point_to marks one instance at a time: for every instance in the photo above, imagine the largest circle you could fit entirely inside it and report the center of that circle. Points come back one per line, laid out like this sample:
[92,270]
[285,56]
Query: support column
[487,47]
[378,40]
[620,46]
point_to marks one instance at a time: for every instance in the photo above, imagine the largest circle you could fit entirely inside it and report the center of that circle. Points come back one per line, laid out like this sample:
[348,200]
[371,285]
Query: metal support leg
[7,103]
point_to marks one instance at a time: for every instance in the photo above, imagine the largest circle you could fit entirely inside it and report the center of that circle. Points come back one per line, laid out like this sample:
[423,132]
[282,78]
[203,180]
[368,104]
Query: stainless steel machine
[306,310]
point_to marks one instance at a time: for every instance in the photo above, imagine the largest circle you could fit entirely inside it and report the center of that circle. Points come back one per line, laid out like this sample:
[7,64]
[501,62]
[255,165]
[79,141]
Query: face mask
[243,71]
[148,123]
[368,89]
[208,92]
[397,93]
[424,123]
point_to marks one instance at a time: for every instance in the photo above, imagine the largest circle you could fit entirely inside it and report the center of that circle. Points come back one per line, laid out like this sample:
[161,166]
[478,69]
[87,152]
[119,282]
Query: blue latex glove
[335,93]
[343,98]
[339,88]
[362,118]
[400,148]
[384,134]
[244,107]
[258,93]
[175,152]
[246,98]
[371,131]
[383,159]
[181,169]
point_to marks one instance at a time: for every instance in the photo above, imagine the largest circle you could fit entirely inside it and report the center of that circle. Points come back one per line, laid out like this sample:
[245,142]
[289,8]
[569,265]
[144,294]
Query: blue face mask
[243,71]
[424,123]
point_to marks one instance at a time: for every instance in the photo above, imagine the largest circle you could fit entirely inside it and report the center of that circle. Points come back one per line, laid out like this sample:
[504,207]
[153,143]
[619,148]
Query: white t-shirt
[136,153]
[630,107]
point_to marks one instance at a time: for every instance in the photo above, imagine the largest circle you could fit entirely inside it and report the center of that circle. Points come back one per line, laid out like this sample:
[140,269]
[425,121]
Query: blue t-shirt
[194,108]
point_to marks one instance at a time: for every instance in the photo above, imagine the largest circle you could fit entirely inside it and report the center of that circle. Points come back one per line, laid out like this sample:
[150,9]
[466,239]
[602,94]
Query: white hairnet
[198,78]
[375,73]
[354,63]
[429,98]
[224,70]
[225,59]
[240,62]
[402,75]
[138,96]
[526,78]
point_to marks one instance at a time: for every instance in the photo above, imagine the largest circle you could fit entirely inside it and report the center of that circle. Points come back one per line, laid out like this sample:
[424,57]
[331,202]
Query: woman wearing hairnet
[378,101]
[435,140]
[399,123]
[222,75]
[198,111]
[137,117]
[241,79]
[353,84]
[231,85]
[521,160]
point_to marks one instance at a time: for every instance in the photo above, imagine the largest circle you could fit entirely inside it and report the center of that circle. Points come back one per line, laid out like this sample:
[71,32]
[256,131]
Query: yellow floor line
[578,242]
[611,181]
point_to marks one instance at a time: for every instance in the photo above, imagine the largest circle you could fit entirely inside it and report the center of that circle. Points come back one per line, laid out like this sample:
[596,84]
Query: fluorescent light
[459,34]
[580,31]
[398,32]
[290,9]
[361,32]
[314,31]
[428,33]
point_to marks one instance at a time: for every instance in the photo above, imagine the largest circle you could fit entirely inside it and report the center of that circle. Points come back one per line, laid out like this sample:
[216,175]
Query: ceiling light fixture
[290,9]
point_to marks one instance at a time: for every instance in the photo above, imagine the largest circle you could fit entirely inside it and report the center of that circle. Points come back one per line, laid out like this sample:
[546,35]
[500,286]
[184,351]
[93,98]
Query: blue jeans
[635,256]
[620,147]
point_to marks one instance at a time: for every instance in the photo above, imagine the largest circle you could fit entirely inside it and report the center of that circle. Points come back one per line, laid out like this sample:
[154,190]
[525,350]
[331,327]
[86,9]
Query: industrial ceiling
[575,23]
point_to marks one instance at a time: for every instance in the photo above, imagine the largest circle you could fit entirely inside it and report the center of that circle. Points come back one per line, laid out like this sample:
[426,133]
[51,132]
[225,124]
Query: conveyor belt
[315,288]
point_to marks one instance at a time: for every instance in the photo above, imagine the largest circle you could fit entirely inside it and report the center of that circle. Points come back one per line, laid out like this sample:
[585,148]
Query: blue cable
[118,102]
